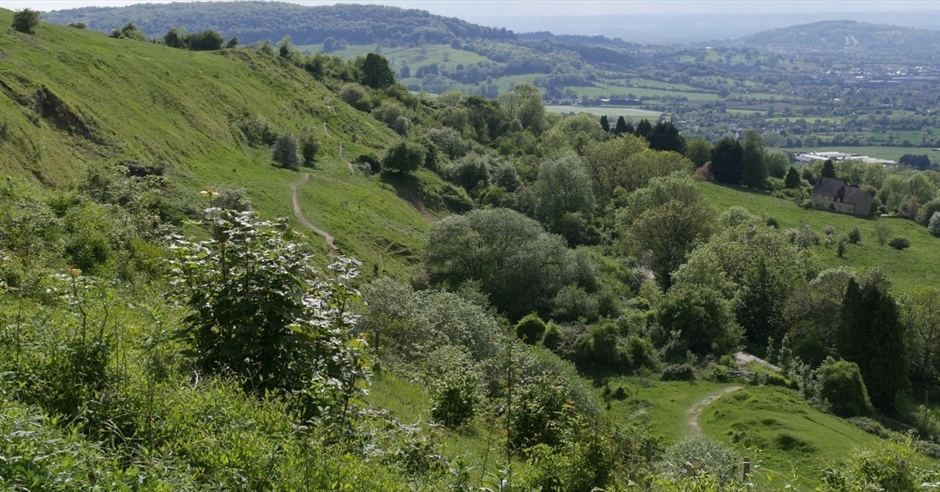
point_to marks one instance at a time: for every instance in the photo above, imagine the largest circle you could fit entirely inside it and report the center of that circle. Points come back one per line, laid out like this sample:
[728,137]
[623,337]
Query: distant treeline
[257,21]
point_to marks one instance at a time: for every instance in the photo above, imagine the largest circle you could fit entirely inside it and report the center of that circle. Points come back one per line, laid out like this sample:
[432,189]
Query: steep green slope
[70,99]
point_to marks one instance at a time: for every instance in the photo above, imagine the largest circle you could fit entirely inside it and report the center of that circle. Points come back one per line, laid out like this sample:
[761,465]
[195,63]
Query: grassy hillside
[778,430]
[907,269]
[71,98]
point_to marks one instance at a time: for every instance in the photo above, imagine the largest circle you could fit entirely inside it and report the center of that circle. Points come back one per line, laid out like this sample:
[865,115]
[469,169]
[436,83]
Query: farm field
[611,111]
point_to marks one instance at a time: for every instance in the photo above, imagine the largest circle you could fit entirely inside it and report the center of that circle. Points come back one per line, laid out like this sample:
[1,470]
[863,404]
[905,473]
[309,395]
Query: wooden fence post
[747,468]
[649,451]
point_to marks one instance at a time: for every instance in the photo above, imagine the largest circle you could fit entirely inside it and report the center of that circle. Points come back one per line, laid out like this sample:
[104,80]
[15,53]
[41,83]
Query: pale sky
[493,9]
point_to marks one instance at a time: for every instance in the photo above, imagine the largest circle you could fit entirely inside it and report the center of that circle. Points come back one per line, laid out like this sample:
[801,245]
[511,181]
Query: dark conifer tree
[665,136]
[793,179]
[605,124]
[622,127]
[643,128]
[727,164]
[754,167]
[872,335]
[828,170]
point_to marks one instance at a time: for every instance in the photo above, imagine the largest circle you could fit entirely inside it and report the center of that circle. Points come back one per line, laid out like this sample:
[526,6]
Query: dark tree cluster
[26,20]
[208,40]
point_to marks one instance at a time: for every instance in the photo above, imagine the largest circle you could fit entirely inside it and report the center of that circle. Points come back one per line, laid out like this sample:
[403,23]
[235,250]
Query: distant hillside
[845,36]
[253,21]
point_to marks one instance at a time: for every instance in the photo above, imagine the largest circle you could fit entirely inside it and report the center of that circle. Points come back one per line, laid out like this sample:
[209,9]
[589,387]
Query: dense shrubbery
[259,309]
[258,132]
[520,267]
[840,383]
[697,455]
[899,242]
[285,153]
[934,224]
[530,329]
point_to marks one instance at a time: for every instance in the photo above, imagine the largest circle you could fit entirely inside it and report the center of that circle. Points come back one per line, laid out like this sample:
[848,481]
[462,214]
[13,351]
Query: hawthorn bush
[261,313]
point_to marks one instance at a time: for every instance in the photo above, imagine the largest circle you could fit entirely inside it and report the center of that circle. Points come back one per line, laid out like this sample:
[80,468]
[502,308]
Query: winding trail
[696,410]
[300,215]
[348,164]
[326,130]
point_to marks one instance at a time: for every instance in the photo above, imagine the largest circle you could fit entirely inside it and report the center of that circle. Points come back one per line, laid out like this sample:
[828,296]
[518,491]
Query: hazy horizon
[675,21]
[481,9]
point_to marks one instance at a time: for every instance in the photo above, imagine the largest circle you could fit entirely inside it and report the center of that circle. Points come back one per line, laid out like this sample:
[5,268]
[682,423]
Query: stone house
[837,196]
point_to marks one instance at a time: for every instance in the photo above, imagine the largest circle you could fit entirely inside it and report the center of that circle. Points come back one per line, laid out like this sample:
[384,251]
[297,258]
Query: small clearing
[696,410]
[300,215]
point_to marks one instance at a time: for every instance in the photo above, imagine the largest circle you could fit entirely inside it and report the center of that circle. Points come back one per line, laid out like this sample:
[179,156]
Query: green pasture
[911,268]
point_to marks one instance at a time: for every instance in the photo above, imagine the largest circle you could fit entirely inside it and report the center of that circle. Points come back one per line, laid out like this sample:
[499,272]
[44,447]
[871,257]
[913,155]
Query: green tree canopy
[285,151]
[703,317]
[572,133]
[777,162]
[524,103]
[751,264]
[626,163]
[205,41]
[666,220]
[259,311]
[403,157]
[175,37]
[920,313]
[519,266]
[563,187]
[699,151]
[376,72]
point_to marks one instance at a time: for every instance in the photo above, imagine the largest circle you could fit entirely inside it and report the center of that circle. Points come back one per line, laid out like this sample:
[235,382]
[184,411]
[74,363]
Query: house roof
[854,195]
[828,186]
[837,188]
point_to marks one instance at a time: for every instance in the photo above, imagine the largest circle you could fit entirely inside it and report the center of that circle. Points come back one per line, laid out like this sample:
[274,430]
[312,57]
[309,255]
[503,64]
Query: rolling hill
[71,99]
[845,37]
[257,21]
